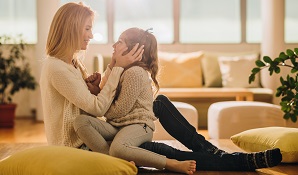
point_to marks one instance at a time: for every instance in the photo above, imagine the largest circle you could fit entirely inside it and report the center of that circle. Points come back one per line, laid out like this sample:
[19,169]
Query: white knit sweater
[65,95]
[135,101]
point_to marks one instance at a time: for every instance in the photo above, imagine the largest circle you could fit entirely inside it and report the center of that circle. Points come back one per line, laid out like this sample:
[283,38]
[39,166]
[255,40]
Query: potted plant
[288,85]
[15,75]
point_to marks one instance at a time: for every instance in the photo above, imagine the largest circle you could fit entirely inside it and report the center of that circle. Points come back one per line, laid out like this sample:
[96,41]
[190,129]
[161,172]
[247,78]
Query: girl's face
[87,33]
[120,44]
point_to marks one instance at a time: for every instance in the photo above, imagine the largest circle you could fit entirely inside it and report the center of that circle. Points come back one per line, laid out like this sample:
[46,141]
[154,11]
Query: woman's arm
[134,55]
[105,77]
[73,88]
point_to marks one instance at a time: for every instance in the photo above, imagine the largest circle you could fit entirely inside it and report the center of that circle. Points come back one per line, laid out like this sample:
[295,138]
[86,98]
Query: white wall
[46,10]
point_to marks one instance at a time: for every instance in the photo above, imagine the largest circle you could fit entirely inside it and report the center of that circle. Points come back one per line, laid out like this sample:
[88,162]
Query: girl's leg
[125,146]
[178,127]
[224,162]
[94,133]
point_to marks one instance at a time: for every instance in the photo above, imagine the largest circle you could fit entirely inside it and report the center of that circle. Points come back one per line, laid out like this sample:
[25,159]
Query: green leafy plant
[15,71]
[289,85]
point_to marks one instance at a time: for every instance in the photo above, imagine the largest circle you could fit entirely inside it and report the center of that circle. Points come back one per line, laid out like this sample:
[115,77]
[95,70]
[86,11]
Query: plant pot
[7,115]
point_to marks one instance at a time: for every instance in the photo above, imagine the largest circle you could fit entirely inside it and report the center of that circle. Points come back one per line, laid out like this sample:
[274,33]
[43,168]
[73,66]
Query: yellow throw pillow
[180,70]
[260,139]
[60,160]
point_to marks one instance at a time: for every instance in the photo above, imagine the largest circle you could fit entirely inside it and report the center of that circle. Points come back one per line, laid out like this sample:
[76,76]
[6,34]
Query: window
[196,22]
[291,21]
[19,17]
[212,21]
[253,21]
[145,14]
[100,28]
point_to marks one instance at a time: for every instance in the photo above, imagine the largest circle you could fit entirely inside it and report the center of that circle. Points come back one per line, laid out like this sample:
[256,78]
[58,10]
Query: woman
[64,92]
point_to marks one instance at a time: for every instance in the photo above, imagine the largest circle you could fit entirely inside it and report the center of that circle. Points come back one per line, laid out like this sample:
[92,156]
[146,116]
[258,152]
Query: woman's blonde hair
[149,59]
[66,31]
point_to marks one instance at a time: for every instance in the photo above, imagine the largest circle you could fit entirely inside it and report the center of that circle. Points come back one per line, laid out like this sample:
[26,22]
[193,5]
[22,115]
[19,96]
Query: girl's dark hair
[149,59]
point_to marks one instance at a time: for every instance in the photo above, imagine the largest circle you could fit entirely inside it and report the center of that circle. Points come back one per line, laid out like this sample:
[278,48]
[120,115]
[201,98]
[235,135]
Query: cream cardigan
[65,95]
[135,101]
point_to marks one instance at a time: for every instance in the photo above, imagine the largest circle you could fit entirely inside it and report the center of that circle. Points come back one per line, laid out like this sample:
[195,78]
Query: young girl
[130,117]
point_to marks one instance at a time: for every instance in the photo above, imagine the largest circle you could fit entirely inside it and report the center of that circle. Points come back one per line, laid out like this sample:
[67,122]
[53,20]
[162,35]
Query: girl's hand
[93,83]
[95,78]
[93,89]
[125,60]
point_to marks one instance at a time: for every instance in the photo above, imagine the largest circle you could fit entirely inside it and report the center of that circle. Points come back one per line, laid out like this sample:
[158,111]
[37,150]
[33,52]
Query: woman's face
[87,33]
[120,44]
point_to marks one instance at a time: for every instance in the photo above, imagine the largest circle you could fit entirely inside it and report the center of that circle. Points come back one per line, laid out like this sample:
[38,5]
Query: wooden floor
[27,134]
[24,131]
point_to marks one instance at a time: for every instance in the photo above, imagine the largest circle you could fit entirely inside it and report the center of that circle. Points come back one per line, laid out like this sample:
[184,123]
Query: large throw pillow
[59,160]
[260,139]
[180,70]
[235,71]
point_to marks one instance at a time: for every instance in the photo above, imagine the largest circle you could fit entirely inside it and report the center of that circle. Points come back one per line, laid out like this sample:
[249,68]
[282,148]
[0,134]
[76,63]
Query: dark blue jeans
[204,152]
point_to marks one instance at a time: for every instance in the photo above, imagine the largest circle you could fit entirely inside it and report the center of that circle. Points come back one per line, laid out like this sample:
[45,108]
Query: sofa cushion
[211,72]
[235,71]
[180,70]
[63,161]
[210,66]
[260,139]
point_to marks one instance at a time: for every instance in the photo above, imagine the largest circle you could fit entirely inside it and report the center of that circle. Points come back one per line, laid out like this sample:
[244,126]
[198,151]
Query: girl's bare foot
[187,166]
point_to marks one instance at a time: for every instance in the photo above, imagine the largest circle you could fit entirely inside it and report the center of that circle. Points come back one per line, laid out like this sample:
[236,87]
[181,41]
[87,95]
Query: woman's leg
[178,127]
[125,146]
[224,162]
[94,133]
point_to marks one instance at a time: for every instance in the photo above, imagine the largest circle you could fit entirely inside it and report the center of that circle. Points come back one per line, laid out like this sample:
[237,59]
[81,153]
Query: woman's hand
[125,60]
[93,83]
[113,62]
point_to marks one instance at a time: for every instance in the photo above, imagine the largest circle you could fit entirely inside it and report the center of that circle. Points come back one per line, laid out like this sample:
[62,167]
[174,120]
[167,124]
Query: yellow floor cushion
[260,139]
[60,160]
